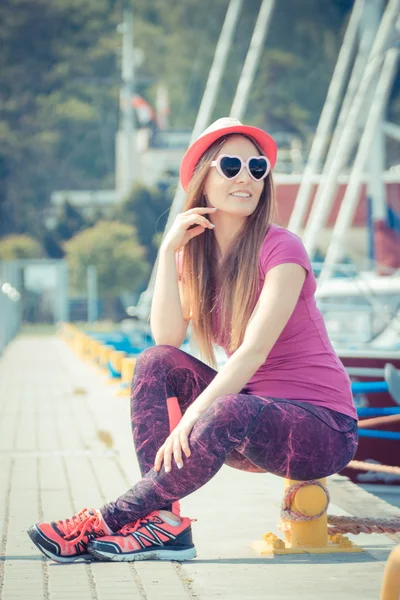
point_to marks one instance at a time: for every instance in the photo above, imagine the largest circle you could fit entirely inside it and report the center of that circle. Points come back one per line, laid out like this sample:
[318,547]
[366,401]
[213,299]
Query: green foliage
[70,221]
[179,39]
[19,246]
[59,104]
[157,239]
[113,248]
[145,208]
[52,245]
[60,79]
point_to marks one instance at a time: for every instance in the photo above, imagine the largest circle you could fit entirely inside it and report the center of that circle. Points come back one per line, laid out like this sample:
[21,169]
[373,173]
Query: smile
[241,194]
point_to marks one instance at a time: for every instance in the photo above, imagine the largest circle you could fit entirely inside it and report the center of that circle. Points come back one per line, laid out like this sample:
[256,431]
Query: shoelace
[132,527]
[86,519]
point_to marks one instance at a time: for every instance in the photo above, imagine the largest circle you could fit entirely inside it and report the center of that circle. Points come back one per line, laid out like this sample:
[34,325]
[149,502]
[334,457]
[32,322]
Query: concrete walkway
[65,444]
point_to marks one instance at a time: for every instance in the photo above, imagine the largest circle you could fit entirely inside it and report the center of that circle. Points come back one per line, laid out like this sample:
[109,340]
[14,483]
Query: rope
[377,421]
[365,525]
[287,514]
[365,466]
[338,524]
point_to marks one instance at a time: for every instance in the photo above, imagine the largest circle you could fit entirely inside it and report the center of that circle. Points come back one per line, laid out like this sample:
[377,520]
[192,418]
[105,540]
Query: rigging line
[196,64]
[372,298]
[198,58]
[391,323]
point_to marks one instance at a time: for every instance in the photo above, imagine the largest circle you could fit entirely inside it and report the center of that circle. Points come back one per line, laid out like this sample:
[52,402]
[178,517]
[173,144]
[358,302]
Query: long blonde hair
[238,274]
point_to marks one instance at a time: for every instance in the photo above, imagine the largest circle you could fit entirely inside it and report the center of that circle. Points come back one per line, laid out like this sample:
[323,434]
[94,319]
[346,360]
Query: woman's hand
[179,234]
[177,442]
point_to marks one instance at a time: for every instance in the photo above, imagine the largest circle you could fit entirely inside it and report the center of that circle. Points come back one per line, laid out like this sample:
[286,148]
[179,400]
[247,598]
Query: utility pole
[92,296]
[127,165]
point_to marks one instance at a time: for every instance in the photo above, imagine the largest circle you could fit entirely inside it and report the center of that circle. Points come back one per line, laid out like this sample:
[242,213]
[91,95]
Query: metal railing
[358,306]
[10,311]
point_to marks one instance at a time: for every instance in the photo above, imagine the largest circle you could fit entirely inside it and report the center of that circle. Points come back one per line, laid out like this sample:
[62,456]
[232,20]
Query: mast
[206,107]
[241,98]
[328,114]
[350,200]
[327,190]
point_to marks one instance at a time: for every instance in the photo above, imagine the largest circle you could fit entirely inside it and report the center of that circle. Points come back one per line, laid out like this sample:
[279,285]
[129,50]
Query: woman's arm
[275,305]
[166,320]
[277,301]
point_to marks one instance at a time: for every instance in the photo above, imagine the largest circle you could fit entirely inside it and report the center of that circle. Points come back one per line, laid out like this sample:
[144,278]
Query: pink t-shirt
[302,364]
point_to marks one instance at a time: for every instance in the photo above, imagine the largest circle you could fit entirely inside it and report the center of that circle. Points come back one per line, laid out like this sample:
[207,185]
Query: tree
[60,79]
[70,221]
[179,39]
[146,208]
[59,103]
[52,244]
[13,247]
[114,250]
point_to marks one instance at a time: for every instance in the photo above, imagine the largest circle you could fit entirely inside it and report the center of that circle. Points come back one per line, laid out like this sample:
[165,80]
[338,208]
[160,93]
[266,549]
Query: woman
[281,403]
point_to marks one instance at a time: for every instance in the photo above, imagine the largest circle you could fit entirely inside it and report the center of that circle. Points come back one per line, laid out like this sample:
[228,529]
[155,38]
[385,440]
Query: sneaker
[150,538]
[66,541]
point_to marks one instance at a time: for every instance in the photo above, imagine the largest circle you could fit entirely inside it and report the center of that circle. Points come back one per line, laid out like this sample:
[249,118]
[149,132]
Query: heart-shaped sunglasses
[229,167]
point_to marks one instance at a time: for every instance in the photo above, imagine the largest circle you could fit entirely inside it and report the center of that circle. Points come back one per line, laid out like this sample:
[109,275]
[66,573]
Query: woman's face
[238,196]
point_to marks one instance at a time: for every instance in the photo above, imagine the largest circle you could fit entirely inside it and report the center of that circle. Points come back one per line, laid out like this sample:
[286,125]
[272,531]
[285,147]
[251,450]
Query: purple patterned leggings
[292,439]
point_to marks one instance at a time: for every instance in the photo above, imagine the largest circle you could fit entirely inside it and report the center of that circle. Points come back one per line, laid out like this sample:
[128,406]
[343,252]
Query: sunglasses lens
[258,167]
[230,166]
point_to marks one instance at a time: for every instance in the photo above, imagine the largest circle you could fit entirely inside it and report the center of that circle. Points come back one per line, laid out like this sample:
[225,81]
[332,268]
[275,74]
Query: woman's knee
[226,405]
[158,355]
[228,419]
[234,411]
[235,405]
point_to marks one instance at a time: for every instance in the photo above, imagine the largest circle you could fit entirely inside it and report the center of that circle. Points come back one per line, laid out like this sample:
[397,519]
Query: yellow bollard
[97,355]
[391,578]
[76,345]
[116,360]
[127,370]
[95,350]
[304,536]
[309,501]
[104,355]
[85,346]
[81,344]
[70,334]
[90,348]
[62,330]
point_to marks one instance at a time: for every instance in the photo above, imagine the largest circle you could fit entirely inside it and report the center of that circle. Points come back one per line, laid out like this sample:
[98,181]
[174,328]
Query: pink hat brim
[197,149]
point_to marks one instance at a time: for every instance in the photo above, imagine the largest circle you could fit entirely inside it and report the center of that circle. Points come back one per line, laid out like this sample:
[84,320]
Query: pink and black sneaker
[66,541]
[150,538]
